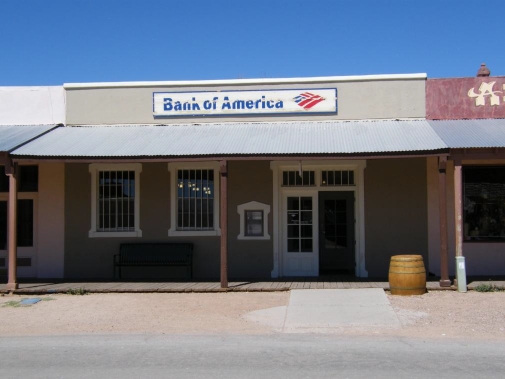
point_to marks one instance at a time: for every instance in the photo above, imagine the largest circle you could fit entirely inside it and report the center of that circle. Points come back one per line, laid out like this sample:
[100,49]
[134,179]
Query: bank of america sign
[224,103]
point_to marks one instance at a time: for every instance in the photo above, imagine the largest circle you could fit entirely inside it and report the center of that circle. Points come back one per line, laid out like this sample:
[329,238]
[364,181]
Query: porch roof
[12,136]
[482,133]
[236,139]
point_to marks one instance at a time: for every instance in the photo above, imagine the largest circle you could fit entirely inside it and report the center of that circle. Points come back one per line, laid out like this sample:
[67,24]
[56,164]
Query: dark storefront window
[28,179]
[24,224]
[254,224]
[484,203]
[4,180]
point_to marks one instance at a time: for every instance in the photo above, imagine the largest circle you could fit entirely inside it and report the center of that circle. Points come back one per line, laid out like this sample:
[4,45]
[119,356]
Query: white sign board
[229,103]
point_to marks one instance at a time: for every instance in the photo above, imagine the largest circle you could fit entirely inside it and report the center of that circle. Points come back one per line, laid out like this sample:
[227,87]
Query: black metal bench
[154,254]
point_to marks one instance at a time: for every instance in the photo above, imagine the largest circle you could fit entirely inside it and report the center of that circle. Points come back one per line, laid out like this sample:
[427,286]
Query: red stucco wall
[469,98]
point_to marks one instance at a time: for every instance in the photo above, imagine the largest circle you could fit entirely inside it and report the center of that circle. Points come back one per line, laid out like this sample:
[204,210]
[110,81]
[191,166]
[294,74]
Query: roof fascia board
[196,83]
[416,154]
[3,157]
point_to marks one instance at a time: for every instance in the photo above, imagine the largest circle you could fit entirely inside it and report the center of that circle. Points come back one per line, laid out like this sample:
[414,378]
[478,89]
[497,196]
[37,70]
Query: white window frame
[253,206]
[173,168]
[94,169]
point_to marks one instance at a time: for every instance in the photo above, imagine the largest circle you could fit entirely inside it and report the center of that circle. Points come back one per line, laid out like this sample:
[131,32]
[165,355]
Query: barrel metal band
[405,288]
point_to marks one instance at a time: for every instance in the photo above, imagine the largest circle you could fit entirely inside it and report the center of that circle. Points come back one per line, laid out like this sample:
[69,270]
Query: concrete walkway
[326,310]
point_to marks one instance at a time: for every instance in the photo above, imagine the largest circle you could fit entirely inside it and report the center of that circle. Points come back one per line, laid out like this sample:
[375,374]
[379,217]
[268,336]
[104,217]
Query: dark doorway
[336,233]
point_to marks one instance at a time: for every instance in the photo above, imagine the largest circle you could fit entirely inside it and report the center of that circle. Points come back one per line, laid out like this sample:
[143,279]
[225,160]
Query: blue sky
[52,42]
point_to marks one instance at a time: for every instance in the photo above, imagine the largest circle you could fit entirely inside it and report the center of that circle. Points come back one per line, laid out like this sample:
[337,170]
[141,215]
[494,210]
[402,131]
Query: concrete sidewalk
[326,310]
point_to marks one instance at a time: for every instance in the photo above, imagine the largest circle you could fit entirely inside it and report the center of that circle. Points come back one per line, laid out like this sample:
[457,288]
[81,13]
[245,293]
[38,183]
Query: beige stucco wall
[395,211]
[92,257]
[486,258]
[376,99]
[51,220]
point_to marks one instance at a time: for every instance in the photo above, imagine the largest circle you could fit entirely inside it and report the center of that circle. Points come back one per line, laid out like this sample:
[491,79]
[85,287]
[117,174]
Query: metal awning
[13,136]
[457,134]
[236,139]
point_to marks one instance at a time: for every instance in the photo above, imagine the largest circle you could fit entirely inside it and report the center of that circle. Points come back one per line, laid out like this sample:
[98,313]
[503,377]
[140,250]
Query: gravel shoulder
[438,314]
[452,314]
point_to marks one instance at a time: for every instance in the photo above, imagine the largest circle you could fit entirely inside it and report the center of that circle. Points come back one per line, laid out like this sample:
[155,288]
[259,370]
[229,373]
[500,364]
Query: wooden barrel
[407,275]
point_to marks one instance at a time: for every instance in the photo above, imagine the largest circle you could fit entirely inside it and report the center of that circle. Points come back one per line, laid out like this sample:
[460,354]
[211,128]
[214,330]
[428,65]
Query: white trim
[172,168]
[193,83]
[358,165]
[253,206]
[94,168]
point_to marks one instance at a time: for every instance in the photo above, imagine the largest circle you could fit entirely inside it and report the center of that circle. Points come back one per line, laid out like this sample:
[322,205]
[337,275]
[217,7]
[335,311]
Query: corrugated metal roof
[276,138]
[12,136]
[471,133]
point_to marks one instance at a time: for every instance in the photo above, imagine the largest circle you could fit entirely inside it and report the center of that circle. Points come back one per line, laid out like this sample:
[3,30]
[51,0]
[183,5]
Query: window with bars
[337,178]
[195,199]
[294,179]
[115,200]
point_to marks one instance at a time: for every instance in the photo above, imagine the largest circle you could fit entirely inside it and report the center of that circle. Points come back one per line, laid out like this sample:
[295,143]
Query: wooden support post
[442,196]
[11,172]
[460,281]
[224,222]
[458,207]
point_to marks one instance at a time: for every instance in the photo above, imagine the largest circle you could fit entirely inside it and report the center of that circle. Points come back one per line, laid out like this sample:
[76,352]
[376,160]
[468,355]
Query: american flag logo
[307,100]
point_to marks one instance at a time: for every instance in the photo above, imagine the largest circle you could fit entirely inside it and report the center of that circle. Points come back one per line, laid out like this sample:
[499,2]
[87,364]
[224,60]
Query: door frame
[278,167]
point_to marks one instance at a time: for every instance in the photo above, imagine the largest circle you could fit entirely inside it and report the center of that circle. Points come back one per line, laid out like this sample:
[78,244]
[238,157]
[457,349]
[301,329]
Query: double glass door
[318,233]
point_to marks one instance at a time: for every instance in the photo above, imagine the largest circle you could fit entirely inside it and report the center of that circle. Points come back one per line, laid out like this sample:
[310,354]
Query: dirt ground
[452,314]
[437,314]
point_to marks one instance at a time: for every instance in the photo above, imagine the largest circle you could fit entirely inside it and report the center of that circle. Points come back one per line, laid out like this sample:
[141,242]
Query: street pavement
[243,356]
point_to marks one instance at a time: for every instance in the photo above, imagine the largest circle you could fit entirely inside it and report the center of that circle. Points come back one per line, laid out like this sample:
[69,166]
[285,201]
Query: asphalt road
[242,356]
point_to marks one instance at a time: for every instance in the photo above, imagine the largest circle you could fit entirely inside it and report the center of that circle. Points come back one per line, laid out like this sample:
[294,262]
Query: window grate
[331,178]
[195,199]
[116,201]
[293,179]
